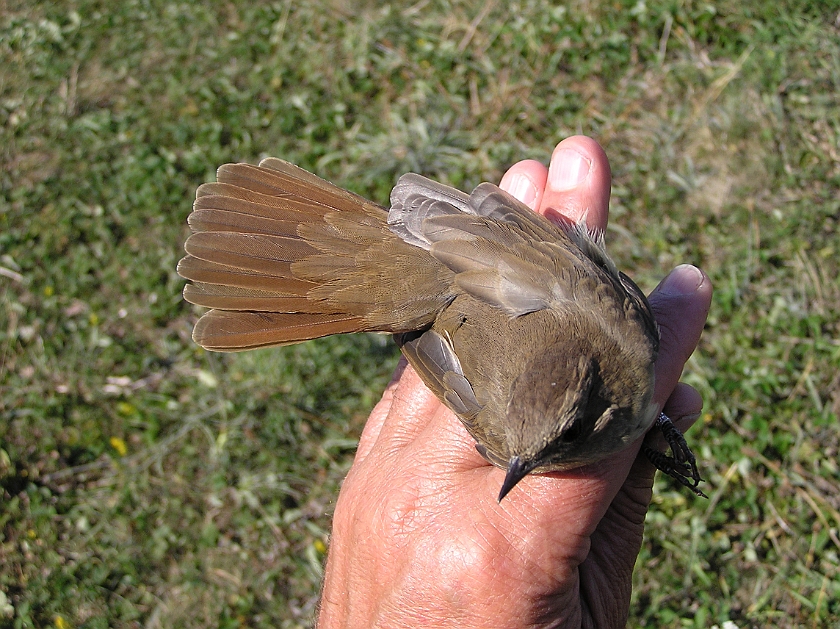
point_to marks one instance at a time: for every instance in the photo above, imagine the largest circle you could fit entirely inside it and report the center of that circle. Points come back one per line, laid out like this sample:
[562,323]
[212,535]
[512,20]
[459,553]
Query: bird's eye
[572,431]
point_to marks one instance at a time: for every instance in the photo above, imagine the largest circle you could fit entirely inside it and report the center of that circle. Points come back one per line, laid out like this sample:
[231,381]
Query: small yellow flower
[60,623]
[48,291]
[31,534]
[119,445]
[124,408]
[320,546]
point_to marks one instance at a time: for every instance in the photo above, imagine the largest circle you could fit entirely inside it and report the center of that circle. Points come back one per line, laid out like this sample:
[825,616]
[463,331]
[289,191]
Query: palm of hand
[418,537]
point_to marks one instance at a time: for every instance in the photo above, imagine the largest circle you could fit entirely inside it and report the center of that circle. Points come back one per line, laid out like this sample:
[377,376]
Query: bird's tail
[282,256]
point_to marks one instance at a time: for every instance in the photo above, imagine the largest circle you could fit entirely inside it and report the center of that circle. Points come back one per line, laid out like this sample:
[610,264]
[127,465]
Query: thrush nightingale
[523,327]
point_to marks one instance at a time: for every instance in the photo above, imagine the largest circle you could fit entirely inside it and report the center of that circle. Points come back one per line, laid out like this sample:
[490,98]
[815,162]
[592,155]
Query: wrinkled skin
[418,538]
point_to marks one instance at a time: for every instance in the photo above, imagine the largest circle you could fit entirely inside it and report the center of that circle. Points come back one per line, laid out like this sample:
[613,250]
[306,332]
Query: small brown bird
[525,329]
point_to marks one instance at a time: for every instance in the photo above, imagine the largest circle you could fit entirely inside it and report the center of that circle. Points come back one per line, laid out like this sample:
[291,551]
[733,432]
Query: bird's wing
[501,252]
[511,257]
[434,358]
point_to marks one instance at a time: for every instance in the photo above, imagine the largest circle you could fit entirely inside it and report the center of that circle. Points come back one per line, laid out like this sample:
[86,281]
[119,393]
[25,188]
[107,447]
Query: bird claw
[682,466]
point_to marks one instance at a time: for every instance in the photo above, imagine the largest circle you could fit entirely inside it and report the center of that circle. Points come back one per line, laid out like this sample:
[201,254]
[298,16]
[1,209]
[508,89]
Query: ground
[145,482]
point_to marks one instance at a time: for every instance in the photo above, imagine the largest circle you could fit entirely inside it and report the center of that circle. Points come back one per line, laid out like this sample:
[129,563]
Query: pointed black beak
[517,470]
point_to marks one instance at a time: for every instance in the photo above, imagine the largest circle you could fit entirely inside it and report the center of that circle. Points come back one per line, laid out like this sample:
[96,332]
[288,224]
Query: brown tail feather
[225,196]
[232,331]
[215,220]
[291,183]
[283,256]
[255,252]
[215,273]
[236,298]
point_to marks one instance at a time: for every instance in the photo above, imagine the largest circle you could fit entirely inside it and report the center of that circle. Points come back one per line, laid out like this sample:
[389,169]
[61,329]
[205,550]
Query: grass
[148,483]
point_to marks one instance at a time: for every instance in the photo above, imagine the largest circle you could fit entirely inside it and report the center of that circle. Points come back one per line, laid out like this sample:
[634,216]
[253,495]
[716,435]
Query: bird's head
[566,410]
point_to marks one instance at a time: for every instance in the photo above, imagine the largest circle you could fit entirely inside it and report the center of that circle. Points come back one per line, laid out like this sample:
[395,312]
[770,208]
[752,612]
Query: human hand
[418,537]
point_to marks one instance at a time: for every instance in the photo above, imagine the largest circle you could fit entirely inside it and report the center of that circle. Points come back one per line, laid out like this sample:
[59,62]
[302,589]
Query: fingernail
[568,169]
[683,280]
[688,418]
[684,418]
[523,189]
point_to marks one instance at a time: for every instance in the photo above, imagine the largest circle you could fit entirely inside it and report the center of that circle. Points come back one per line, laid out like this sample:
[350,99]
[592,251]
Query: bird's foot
[682,466]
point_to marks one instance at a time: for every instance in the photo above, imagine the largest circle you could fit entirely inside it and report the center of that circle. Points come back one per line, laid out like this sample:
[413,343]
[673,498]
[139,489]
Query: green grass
[144,482]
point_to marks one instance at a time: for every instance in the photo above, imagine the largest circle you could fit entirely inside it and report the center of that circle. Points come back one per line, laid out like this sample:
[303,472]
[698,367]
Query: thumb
[680,306]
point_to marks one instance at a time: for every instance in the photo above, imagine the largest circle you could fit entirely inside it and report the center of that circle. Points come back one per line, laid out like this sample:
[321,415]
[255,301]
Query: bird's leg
[682,466]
